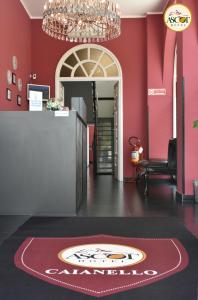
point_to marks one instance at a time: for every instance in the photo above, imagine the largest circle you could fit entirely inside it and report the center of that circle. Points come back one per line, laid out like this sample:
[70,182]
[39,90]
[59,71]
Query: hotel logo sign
[177,17]
[102,256]
[101,265]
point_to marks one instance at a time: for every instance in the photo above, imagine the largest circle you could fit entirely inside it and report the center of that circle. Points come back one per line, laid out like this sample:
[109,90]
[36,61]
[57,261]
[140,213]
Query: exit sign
[157,92]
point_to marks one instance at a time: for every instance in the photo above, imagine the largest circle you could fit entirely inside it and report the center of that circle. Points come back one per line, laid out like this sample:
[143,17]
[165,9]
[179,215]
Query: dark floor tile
[9,224]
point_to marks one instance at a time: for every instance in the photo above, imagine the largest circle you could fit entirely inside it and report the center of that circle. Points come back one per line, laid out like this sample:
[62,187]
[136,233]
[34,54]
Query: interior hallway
[109,198]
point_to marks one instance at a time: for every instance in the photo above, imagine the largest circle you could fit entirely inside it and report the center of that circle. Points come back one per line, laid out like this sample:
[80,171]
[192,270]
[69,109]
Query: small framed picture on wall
[14,78]
[19,100]
[8,94]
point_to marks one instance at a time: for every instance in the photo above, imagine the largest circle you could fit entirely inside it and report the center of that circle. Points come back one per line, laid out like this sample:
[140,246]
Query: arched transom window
[89,61]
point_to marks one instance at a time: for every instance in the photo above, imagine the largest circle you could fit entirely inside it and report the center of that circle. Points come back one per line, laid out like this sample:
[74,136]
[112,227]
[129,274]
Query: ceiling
[129,8]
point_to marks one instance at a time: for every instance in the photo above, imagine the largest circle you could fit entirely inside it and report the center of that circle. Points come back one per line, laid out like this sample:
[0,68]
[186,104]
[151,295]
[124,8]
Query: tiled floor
[109,198]
[9,224]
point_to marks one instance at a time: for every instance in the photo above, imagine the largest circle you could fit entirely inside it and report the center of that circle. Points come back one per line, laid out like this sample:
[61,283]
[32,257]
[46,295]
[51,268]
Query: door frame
[119,79]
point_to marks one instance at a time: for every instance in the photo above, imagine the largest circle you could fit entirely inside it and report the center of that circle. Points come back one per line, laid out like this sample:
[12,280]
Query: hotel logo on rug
[101,265]
[177,17]
[102,256]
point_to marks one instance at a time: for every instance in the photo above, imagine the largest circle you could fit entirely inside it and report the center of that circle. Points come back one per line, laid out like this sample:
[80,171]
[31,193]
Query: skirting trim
[185,198]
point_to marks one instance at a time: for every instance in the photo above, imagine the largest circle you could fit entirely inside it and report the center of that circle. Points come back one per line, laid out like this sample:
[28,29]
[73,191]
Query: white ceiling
[129,8]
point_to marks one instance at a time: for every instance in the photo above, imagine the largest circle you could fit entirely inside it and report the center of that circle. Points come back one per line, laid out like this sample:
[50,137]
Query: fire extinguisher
[136,149]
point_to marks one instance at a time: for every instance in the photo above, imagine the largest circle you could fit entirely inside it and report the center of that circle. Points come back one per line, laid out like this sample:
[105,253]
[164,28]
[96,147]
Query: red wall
[188,69]
[160,62]
[130,49]
[15,37]
[139,50]
[145,51]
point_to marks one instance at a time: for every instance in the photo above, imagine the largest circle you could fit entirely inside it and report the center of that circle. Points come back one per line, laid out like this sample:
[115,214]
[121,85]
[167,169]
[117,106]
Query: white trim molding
[26,9]
[39,17]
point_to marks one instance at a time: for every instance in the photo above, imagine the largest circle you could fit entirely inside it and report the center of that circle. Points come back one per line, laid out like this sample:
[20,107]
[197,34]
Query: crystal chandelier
[81,20]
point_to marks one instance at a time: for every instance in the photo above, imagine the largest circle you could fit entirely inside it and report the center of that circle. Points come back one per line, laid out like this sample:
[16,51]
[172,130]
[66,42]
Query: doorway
[90,63]
[104,150]
[101,98]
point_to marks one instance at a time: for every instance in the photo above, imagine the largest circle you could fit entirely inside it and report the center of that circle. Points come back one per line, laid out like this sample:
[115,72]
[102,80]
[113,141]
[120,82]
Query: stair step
[105,131]
[104,123]
[105,145]
[101,153]
[103,172]
[104,156]
[105,165]
[105,142]
[105,162]
[104,148]
[104,127]
[105,159]
[105,169]
[105,136]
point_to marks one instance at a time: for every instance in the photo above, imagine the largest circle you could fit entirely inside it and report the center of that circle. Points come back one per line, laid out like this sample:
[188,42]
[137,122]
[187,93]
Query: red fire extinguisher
[136,150]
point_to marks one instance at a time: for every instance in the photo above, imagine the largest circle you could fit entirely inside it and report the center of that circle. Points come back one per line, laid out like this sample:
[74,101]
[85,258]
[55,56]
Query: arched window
[88,61]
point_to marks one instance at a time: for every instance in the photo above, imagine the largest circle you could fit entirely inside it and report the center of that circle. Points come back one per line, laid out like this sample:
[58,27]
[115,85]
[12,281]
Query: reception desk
[43,162]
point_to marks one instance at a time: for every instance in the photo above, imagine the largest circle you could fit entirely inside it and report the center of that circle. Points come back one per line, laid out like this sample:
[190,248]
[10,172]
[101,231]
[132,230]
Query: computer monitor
[45,89]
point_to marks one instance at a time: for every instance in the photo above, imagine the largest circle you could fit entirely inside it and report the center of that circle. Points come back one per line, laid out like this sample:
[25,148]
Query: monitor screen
[45,89]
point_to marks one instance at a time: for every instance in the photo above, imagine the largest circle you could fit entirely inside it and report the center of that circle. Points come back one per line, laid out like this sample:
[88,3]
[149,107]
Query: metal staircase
[104,146]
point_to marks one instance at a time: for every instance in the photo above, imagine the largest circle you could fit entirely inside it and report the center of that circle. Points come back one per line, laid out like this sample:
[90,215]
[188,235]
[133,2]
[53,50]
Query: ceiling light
[81,20]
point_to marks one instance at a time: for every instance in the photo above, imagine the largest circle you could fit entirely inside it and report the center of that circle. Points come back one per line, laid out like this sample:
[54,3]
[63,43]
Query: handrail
[95,140]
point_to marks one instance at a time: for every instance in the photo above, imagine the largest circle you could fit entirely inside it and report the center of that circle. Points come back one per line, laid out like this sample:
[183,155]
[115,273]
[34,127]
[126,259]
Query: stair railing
[95,140]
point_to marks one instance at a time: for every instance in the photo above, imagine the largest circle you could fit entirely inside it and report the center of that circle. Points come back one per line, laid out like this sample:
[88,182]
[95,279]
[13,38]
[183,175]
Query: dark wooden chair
[146,168]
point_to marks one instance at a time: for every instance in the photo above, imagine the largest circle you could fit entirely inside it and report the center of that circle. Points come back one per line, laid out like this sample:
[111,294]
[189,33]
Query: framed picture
[9,77]
[19,100]
[14,78]
[8,94]
[14,62]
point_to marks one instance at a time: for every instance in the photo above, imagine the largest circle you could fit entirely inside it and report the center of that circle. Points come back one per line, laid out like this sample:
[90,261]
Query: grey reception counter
[43,163]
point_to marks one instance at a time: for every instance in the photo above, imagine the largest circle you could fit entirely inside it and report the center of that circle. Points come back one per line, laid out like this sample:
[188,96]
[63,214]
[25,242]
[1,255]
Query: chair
[159,167]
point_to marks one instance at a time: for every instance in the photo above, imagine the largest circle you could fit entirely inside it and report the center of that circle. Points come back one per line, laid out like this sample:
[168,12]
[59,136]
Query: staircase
[104,146]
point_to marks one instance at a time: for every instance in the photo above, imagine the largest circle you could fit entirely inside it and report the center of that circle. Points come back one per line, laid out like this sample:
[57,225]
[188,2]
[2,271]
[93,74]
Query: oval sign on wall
[177,17]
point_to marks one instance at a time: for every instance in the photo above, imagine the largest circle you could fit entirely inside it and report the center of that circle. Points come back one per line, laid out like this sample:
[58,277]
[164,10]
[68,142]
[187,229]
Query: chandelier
[81,20]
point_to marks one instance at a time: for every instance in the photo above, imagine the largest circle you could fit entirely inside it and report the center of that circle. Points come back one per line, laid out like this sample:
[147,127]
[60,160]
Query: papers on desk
[35,101]
[61,113]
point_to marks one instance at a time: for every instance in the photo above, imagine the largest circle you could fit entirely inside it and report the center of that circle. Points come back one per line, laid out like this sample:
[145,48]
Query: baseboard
[35,214]
[130,179]
[185,198]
